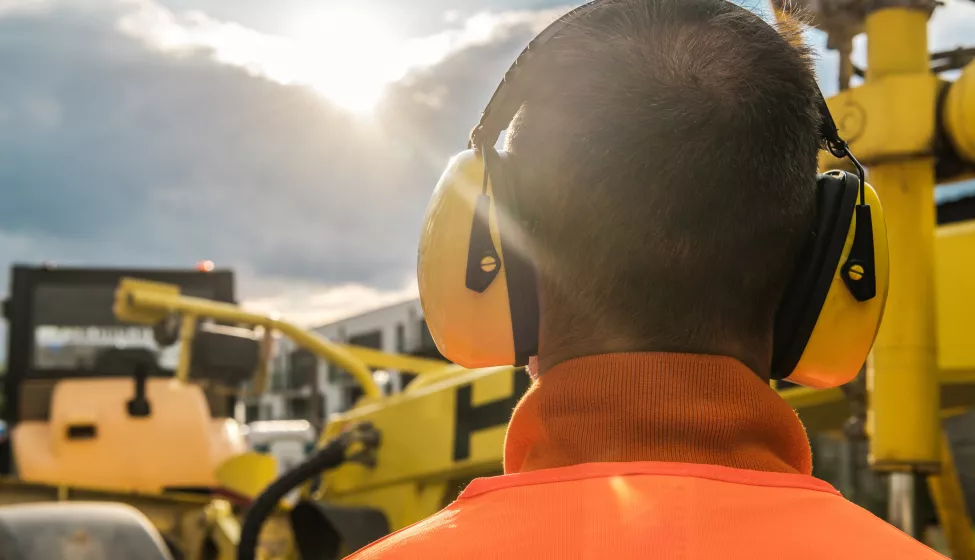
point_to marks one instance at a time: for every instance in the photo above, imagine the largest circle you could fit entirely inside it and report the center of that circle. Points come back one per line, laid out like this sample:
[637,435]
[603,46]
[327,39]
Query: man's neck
[655,407]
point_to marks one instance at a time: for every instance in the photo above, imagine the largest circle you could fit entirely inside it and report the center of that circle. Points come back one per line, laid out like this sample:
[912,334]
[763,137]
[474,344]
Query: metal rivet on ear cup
[489,263]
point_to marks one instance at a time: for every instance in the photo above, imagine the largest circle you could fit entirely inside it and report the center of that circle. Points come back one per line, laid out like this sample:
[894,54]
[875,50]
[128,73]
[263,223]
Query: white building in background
[396,328]
[291,394]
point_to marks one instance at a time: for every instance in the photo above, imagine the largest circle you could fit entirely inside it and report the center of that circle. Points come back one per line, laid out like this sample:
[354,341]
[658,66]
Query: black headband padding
[519,269]
[803,300]
[509,96]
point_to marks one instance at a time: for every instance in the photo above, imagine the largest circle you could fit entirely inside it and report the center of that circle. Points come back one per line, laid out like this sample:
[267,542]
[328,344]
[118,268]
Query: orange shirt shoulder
[649,510]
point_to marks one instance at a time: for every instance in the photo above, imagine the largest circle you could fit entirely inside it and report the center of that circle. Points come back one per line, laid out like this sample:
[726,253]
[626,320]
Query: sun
[350,57]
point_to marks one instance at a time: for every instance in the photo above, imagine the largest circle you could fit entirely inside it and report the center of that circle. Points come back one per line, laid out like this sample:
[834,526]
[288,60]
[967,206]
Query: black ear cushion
[837,193]
[519,269]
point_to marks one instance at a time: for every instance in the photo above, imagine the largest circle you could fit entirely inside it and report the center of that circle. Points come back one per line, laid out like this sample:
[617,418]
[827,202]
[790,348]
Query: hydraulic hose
[328,457]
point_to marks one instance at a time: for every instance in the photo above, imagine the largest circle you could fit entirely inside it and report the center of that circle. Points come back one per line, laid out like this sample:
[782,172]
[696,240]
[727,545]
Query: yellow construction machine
[96,413]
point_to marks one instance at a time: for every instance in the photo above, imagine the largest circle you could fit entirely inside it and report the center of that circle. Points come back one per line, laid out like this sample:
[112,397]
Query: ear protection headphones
[477,281]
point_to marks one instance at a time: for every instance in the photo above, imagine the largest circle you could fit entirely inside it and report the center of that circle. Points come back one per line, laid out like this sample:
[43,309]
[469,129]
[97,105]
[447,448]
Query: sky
[296,141]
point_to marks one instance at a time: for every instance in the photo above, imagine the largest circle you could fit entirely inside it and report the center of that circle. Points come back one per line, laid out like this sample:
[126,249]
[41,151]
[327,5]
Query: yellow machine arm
[145,302]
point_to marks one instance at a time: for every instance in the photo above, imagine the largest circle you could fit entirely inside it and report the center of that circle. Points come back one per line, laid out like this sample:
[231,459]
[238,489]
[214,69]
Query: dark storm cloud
[115,153]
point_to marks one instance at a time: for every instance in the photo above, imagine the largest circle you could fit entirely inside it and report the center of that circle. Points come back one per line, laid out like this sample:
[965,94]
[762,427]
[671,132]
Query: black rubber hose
[329,457]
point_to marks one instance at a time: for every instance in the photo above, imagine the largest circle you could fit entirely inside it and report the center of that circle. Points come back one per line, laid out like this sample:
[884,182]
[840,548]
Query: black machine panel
[90,304]
[73,325]
[61,319]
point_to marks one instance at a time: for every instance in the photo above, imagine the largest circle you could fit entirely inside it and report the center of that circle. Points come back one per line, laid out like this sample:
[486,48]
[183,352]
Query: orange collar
[681,408]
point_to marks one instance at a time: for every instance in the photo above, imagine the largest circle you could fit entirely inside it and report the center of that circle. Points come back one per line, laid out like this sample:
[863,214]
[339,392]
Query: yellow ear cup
[846,328]
[470,328]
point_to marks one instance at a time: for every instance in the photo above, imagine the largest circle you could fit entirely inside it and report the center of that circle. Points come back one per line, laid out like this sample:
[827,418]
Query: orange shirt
[664,456]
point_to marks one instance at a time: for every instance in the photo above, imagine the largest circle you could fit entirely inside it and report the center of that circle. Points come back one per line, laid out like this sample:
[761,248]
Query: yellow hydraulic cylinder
[903,420]
[959,113]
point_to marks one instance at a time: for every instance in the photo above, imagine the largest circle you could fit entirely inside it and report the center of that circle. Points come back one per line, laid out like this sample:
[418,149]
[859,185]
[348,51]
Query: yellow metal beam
[903,418]
[949,499]
[141,301]
[805,397]
[398,362]
[880,119]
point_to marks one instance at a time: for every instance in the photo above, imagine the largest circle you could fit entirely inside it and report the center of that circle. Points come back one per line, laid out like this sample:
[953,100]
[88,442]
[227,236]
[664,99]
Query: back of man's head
[670,156]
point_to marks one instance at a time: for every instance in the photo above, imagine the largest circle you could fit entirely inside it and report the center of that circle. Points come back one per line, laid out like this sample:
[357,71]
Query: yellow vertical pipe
[903,417]
[897,42]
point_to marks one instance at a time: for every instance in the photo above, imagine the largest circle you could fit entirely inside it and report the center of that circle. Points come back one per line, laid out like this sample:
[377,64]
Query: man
[672,152]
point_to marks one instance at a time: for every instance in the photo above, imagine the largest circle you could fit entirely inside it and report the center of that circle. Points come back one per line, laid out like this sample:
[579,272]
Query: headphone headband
[509,96]
[504,102]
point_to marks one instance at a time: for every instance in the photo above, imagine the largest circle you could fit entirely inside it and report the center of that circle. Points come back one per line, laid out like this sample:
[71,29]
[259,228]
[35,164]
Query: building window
[337,375]
[300,408]
[371,339]
[251,413]
[304,369]
[401,338]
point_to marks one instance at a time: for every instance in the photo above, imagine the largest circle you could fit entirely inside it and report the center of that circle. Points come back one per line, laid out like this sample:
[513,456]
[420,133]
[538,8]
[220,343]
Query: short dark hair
[670,153]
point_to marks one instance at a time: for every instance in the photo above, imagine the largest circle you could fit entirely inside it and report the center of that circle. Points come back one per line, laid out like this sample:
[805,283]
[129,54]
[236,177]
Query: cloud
[131,134]
[322,59]
[13,7]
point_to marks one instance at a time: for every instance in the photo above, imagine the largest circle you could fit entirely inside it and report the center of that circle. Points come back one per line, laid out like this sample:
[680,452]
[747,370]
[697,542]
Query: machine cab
[93,402]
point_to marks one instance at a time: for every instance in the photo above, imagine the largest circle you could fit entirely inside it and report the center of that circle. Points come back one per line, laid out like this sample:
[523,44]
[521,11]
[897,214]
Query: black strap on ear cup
[859,270]
[837,195]
[829,133]
[483,263]
[519,268]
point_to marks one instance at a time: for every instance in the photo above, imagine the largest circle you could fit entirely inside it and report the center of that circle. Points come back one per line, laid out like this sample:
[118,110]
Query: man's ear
[532,367]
